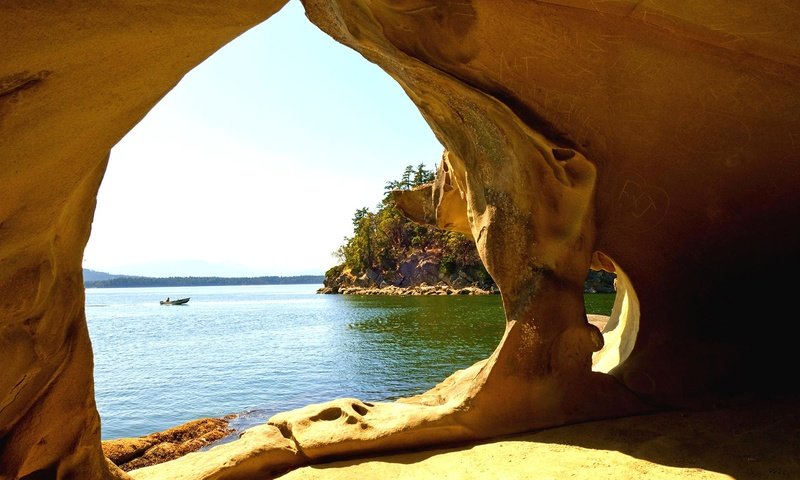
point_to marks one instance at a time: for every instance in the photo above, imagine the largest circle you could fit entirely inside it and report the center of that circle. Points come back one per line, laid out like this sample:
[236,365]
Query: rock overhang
[662,135]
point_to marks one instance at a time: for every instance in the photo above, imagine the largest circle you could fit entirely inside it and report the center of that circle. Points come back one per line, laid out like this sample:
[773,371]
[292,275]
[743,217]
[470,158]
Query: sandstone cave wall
[662,133]
[74,78]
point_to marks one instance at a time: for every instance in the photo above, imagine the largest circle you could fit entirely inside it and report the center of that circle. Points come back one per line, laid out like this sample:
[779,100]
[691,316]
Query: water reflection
[400,346]
[411,343]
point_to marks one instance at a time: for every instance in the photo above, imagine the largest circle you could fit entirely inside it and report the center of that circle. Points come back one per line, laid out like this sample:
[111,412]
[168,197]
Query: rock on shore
[159,447]
[420,274]
[424,289]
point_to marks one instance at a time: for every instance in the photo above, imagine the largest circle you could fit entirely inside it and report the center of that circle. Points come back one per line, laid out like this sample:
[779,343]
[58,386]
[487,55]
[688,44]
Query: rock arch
[664,134]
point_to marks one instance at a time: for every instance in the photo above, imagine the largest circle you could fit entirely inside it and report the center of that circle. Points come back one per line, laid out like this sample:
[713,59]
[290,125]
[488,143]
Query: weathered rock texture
[159,447]
[642,137]
[659,139]
[734,442]
[414,275]
[74,78]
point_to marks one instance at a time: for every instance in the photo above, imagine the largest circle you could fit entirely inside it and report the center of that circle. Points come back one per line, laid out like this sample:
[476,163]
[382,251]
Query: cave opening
[179,185]
[621,325]
[75,80]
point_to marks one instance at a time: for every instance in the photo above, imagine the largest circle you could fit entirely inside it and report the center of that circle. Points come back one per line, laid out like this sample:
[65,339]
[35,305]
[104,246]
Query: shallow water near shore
[257,350]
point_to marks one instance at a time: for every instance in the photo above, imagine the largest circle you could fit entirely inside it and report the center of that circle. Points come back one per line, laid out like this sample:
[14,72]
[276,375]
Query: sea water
[257,350]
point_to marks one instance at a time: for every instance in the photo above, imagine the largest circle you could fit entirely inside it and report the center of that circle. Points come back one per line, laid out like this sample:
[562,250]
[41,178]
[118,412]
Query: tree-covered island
[390,254]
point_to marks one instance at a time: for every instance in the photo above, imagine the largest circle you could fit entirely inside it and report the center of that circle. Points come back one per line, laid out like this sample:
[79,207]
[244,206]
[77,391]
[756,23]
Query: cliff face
[655,139]
[417,269]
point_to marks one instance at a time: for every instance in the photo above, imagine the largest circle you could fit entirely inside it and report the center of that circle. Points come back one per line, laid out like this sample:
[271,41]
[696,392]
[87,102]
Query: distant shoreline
[134,281]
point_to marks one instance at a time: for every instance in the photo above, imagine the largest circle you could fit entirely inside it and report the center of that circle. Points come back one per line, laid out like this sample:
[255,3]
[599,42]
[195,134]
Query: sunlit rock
[660,136]
[260,452]
[132,453]
[653,139]
[73,80]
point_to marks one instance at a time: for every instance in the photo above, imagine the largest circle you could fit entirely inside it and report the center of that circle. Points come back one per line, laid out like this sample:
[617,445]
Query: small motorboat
[180,301]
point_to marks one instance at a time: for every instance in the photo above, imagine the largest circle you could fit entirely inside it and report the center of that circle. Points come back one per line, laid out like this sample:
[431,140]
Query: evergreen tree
[405,180]
[422,176]
[382,240]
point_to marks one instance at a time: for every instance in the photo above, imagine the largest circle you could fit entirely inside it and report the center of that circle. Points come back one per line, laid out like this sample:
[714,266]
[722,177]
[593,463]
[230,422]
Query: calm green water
[258,350]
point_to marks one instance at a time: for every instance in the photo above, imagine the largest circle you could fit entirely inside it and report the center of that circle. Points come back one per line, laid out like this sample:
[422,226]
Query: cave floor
[740,440]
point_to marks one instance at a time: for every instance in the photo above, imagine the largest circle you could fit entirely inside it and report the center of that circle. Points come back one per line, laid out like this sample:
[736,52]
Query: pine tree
[382,240]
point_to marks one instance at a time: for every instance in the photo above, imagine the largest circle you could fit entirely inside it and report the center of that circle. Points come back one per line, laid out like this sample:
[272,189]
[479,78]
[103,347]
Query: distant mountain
[95,276]
[94,279]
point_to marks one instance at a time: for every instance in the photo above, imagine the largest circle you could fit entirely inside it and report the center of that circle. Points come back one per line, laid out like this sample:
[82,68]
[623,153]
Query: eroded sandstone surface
[74,78]
[656,139]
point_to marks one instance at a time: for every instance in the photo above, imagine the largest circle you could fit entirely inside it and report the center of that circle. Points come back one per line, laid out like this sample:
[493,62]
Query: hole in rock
[250,175]
[259,178]
[329,414]
[615,314]
[359,409]
[563,154]
[286,432]
[43,474]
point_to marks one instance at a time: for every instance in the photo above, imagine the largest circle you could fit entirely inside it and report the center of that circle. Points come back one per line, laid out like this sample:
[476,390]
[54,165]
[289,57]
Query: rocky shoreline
[424,289]
[159,447]
[420,274]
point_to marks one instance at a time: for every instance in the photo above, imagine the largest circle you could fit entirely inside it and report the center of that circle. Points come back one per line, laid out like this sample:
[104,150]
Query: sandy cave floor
[743,440]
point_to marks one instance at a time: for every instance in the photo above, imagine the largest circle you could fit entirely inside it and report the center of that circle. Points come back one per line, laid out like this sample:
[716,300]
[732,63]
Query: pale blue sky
[255,163]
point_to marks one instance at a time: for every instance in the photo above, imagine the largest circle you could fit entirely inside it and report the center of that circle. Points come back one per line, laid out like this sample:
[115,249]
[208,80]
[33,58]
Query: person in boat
[167,299]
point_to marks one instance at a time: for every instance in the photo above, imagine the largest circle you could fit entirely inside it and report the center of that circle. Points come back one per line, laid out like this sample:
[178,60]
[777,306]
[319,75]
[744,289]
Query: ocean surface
[257,350]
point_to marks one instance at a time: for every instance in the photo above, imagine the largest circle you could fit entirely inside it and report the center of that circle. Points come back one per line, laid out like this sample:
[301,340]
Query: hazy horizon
[195,268]
[256,162]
